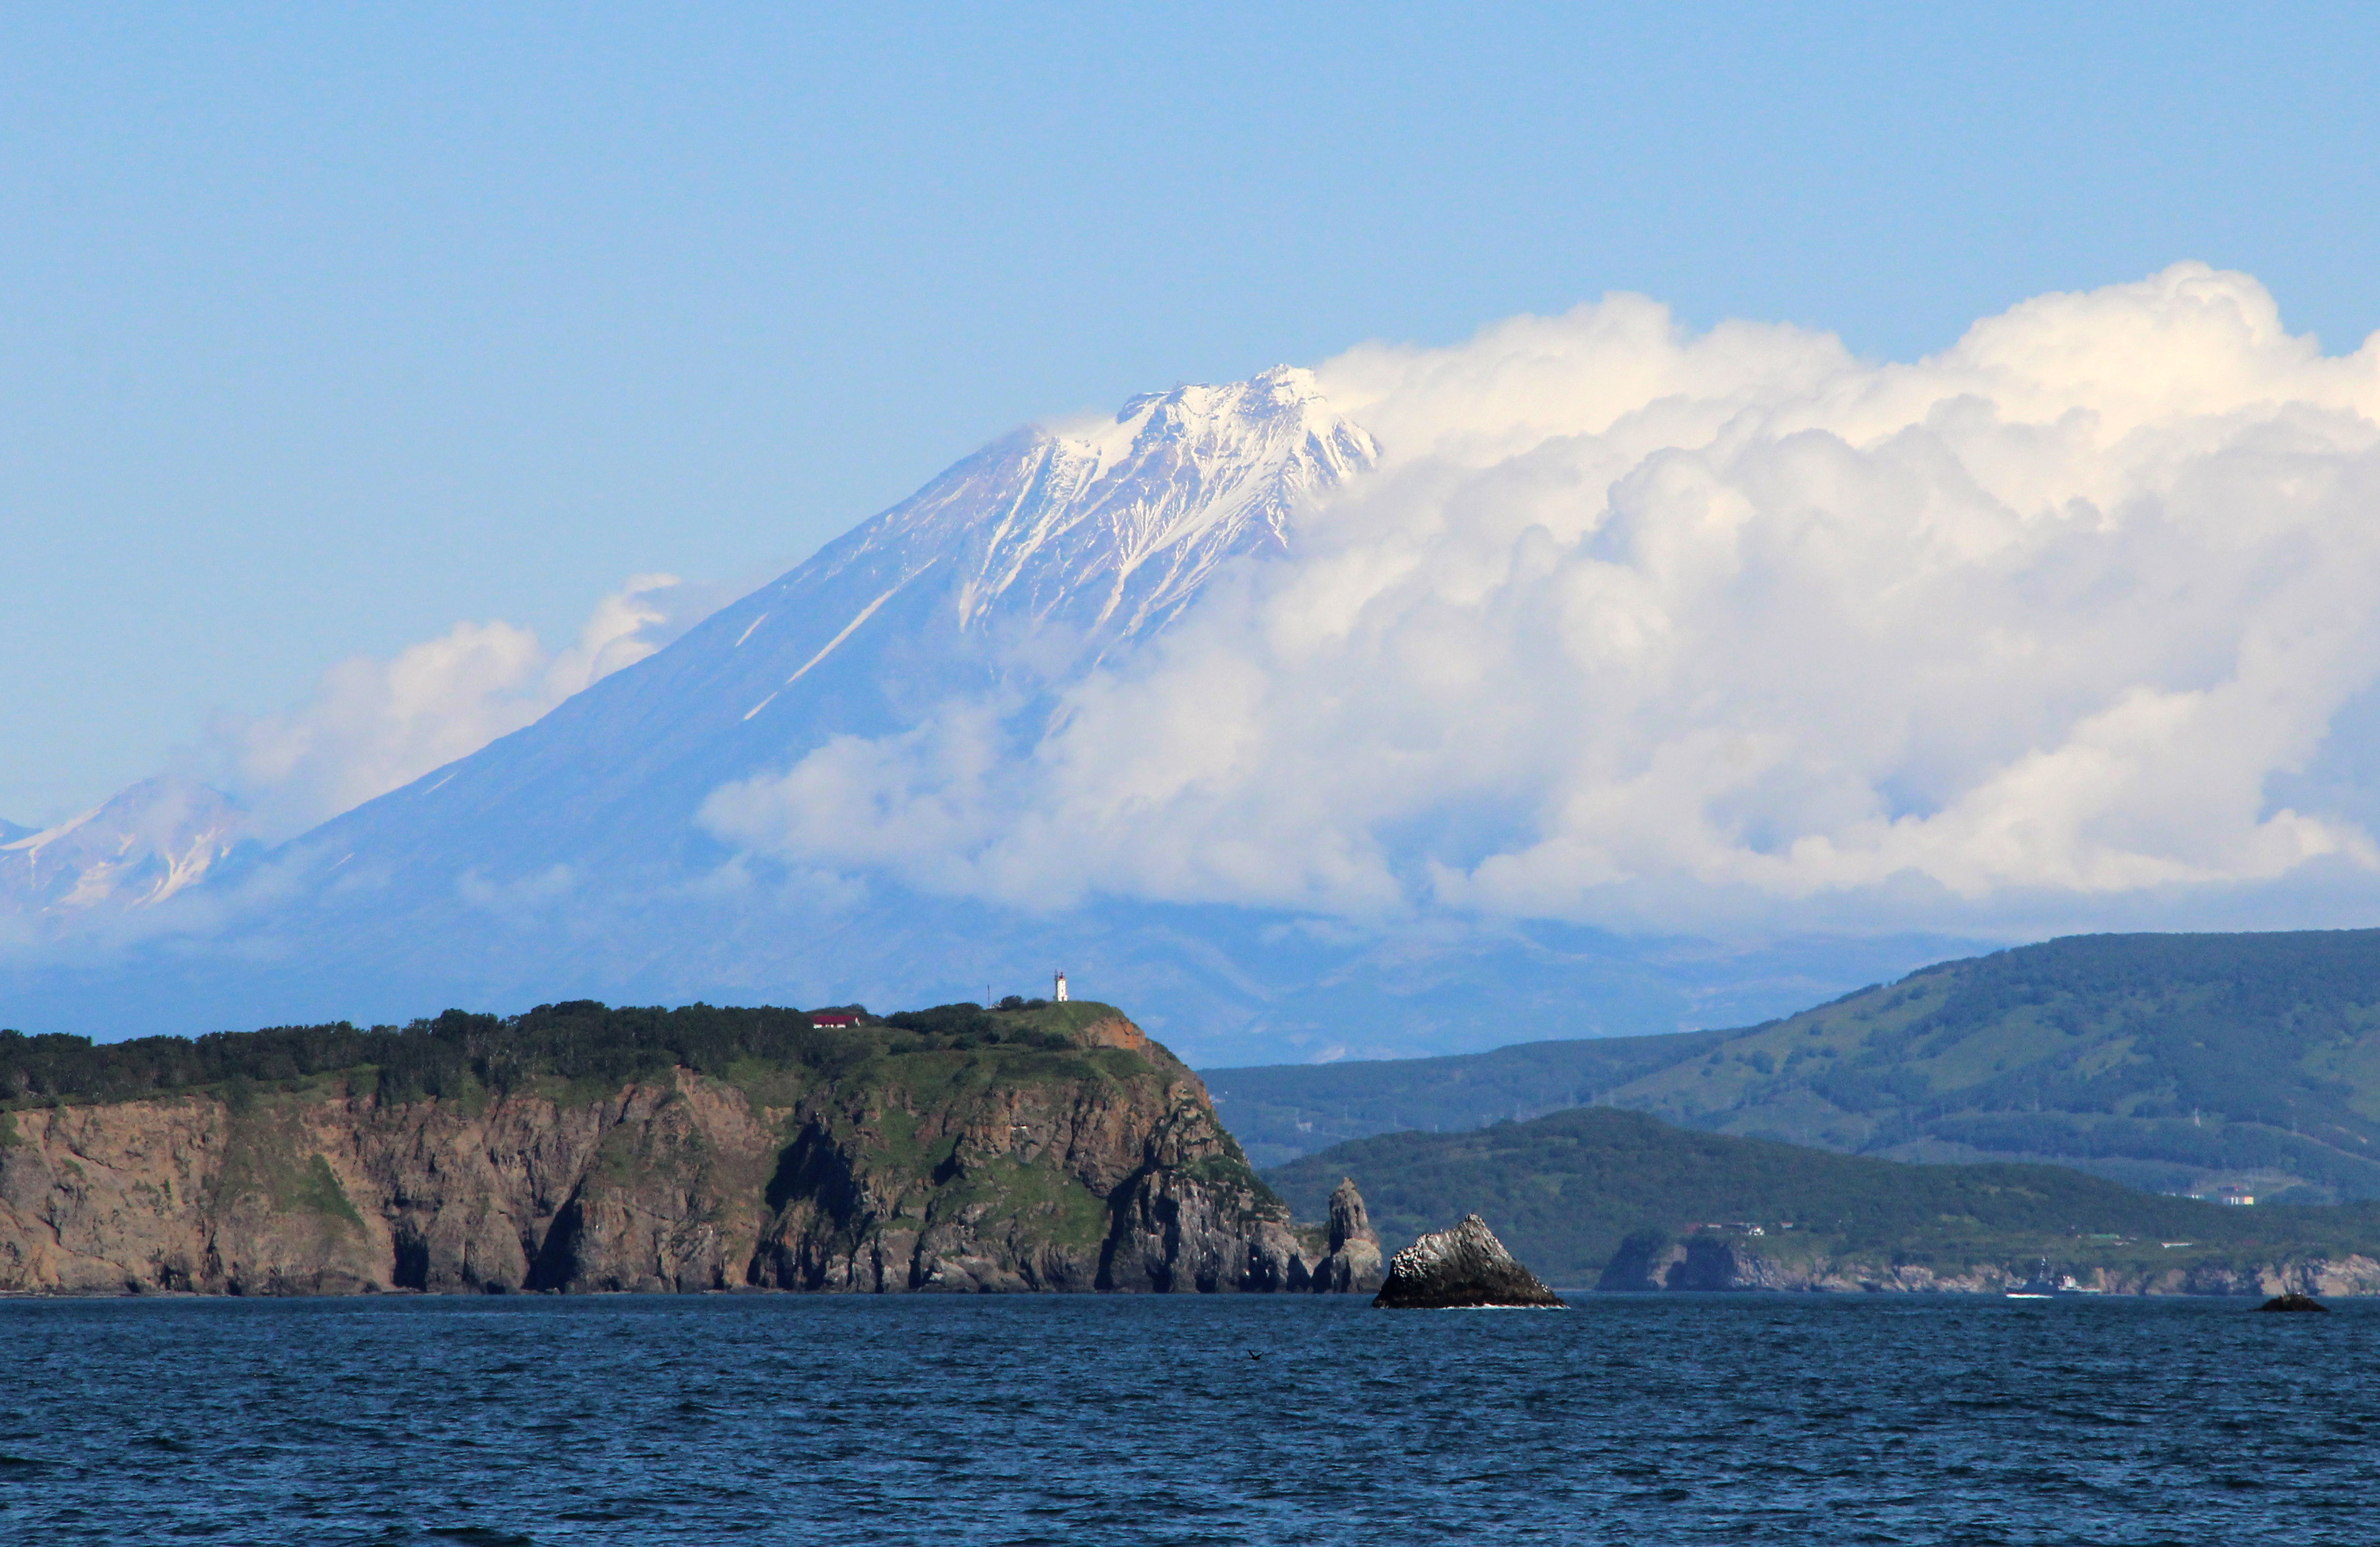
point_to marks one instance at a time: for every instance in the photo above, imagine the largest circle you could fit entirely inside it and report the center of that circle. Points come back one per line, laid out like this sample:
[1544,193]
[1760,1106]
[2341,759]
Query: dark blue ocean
[1634,1419]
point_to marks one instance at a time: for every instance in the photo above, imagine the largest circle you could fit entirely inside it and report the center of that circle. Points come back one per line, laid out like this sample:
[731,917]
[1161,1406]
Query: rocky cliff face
[1707,1262]
[1095,1166]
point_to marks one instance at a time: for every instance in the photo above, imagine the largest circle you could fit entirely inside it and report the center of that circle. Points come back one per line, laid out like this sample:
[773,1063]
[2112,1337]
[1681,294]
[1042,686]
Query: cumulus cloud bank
[1639,626]
[370,726]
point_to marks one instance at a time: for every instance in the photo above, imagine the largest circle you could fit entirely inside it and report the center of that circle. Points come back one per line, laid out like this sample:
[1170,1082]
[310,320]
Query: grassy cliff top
[1070,1020]
[580,1045]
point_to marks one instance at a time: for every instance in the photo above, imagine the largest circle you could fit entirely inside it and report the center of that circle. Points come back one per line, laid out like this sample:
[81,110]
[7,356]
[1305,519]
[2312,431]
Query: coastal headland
[1027,1147]
[579,1148]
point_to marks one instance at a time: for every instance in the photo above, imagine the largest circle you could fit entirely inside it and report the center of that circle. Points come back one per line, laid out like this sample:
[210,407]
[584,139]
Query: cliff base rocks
[1462,1267]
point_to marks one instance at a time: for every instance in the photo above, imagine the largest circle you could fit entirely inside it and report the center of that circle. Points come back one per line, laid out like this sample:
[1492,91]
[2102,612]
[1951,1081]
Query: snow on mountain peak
[1040,554]
[145,843]
[1222,416]
[1112,529]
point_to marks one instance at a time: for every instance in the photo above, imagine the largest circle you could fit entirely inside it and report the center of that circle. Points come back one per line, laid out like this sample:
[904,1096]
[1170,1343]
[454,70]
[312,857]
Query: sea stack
[1353,1264]
[2293,1302]
[1464,1267]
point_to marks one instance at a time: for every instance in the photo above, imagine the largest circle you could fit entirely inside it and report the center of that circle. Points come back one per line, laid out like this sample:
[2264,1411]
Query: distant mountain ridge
[1282,1111]
[2170,1062]
[146,843]
[1621,1201]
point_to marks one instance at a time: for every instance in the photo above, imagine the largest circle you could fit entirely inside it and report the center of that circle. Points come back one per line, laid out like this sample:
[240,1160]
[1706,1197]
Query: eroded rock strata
[1100,1166]
[1460,1268]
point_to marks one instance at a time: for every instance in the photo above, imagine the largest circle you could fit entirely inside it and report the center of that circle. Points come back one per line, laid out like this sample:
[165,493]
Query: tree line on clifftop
[580,1040]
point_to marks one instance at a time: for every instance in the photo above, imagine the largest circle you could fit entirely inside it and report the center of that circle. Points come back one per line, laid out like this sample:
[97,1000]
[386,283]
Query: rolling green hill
[1281,1111]
[2171,1062]
[1567,1191]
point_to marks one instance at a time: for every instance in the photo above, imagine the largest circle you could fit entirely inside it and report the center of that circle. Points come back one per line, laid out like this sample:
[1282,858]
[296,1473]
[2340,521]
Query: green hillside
[1281,1111]
[1564,1191]
[2171,1062]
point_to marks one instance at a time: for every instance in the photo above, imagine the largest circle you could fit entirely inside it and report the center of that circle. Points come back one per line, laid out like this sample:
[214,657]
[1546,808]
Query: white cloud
[1637,626]
[371,725]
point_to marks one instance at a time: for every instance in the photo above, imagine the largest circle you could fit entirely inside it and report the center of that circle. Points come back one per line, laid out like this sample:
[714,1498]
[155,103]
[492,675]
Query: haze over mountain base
[1223,986]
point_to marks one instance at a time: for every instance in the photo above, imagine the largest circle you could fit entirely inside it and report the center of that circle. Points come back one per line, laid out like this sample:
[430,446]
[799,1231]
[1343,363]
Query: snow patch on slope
[1129,521]
[142,846]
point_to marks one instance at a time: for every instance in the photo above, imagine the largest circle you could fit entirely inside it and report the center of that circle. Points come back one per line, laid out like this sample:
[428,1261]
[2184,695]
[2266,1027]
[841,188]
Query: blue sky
[329,327]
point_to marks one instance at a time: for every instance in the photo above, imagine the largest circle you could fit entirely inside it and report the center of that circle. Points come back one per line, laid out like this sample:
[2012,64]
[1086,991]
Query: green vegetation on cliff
[1565,1190]
[2166,1061]
[578,1044]
[582,1148]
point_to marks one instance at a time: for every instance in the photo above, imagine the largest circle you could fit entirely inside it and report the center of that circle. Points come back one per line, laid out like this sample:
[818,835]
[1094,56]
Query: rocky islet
[1462,1268]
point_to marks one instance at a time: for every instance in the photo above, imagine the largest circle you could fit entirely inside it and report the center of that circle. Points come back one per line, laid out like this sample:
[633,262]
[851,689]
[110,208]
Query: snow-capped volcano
[146,843]
[1113,531]
[569,856]
[572,858]
[1018,567]
[1103,536]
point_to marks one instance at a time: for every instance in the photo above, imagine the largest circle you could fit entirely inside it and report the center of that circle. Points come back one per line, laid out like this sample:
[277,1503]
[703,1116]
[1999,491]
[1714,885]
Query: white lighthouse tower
[1062,989]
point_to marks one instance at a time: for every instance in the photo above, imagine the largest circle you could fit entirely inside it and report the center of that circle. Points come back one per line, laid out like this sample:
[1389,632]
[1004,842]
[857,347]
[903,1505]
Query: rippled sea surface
[1635,1419]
